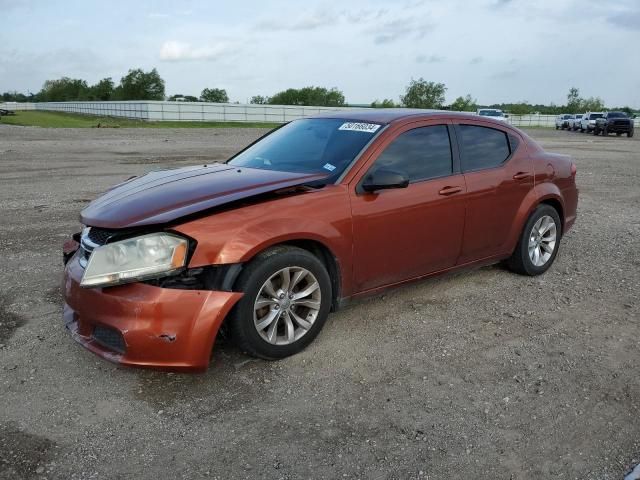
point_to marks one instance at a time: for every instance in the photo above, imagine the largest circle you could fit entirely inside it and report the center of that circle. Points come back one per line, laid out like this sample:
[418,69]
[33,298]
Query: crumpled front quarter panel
[236,235]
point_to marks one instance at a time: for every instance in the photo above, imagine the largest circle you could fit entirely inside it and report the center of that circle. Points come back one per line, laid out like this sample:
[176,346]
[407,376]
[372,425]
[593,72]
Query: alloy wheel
[542,240]
[287,305]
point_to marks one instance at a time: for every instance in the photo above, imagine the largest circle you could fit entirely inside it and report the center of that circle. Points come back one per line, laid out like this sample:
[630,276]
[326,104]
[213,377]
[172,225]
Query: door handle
[450,190]
[521,175]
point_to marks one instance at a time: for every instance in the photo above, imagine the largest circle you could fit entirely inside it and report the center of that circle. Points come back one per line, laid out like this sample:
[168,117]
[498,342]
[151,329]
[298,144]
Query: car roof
[388,115]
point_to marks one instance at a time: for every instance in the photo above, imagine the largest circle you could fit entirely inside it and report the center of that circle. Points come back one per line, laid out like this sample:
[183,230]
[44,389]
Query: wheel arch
[557,205]
[321,251]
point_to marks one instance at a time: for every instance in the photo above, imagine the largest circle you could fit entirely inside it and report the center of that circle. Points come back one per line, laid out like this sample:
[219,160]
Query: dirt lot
[484,374]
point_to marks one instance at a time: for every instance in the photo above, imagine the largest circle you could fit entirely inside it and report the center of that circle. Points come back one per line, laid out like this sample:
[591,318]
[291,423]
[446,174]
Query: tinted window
[482,147]
[421,153]
[311,145]
[593,116]
[617,115]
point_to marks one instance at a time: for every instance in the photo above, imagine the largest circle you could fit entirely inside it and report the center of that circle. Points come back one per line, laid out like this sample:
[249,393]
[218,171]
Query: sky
[495,50]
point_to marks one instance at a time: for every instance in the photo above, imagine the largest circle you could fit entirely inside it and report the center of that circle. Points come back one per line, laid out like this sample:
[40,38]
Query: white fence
[219,112]
[180,111]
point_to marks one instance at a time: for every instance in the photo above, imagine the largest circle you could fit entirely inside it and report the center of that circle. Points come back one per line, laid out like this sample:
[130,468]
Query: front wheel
[287,298]
[539,242]
[630,133]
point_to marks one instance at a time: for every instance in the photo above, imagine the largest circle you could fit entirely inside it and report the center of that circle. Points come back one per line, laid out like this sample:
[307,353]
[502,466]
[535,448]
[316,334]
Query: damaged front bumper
[143,325]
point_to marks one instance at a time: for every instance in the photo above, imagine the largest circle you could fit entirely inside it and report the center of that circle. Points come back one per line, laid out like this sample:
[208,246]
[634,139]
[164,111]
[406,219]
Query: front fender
[236,236]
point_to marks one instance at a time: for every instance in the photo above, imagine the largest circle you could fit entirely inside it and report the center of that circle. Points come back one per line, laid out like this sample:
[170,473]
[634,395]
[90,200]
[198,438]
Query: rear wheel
[605,131]
[287,297]
[539,242]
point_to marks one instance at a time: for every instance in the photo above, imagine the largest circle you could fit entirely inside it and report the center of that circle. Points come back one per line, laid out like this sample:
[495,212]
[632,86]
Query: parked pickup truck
[588,121]
[614,122]
[574,123]
[562,121]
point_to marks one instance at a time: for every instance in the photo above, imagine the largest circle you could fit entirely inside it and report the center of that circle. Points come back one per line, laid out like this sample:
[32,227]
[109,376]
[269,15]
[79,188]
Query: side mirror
[384,179]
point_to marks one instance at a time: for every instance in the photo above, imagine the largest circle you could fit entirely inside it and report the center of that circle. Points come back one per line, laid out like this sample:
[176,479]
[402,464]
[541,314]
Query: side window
[482,147]
[421,153]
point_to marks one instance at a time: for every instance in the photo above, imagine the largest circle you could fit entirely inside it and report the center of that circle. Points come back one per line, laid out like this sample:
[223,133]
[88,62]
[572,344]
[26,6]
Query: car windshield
[617,115]
[490,113]
[596,115]
[312,145]
[566,117]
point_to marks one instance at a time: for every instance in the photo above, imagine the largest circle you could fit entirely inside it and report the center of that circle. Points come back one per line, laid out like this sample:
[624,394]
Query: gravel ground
[484,374]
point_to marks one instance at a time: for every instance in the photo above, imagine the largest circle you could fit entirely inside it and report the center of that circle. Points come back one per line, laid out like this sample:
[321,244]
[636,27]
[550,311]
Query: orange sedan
[314,214]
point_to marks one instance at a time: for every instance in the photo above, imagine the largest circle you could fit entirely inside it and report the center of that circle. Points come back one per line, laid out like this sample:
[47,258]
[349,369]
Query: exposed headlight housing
[135,259]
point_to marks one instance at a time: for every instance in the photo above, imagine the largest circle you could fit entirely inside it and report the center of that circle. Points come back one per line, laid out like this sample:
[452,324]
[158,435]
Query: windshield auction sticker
[359,127]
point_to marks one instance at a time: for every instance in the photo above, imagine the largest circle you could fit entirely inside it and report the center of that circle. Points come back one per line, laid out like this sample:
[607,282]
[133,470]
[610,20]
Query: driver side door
[404,233]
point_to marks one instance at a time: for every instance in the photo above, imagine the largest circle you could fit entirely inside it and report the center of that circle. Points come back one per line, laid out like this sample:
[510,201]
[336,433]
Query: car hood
[166,195]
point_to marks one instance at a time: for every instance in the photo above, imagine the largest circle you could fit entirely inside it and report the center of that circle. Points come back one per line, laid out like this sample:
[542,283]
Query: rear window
[617,115]
[421,153]
[482,147]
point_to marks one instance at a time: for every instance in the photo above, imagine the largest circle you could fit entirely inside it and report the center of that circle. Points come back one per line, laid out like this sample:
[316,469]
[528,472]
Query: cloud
[393,30]
[430,59]
[365,15]
[630,20]
[476,60]
[310,21]
[501,3]
[172,51]
[158,15]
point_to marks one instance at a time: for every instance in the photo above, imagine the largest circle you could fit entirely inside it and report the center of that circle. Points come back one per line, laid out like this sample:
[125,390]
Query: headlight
[135,259]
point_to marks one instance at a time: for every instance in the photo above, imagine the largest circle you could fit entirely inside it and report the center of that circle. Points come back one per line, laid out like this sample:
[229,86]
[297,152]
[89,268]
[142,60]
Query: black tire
[605,132]
[557,127]
[519,262]
[596,131]
[630,133]
[241,319]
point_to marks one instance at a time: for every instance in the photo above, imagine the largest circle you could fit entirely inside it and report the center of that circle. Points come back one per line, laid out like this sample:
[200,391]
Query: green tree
[593,104]
[423,94]
[215,95]
[464,104]
[522,108]
[64,89]
[103,90]
[259,100]
[574,102]
[385,103]
[140,85]
[316,96]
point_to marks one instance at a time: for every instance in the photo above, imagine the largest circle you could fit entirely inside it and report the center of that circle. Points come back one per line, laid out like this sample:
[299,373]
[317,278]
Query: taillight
[573,169]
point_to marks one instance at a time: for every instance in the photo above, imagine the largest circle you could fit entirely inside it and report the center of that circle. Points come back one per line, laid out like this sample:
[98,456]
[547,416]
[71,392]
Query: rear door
[498,175]
[404,233]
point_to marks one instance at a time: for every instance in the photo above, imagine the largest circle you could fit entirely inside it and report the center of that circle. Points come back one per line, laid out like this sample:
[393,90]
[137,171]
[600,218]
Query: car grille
[91,239]
[109,338]
[621,123]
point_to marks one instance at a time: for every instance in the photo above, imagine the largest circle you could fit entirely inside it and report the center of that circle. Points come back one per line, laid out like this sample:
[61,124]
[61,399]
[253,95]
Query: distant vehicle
[614,122]
[6,112]
[588,121]
[562,121]
[574,123]
[494,113]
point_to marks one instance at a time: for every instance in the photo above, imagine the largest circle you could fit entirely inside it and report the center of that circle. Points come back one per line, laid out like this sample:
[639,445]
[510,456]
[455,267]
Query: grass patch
[40,118]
